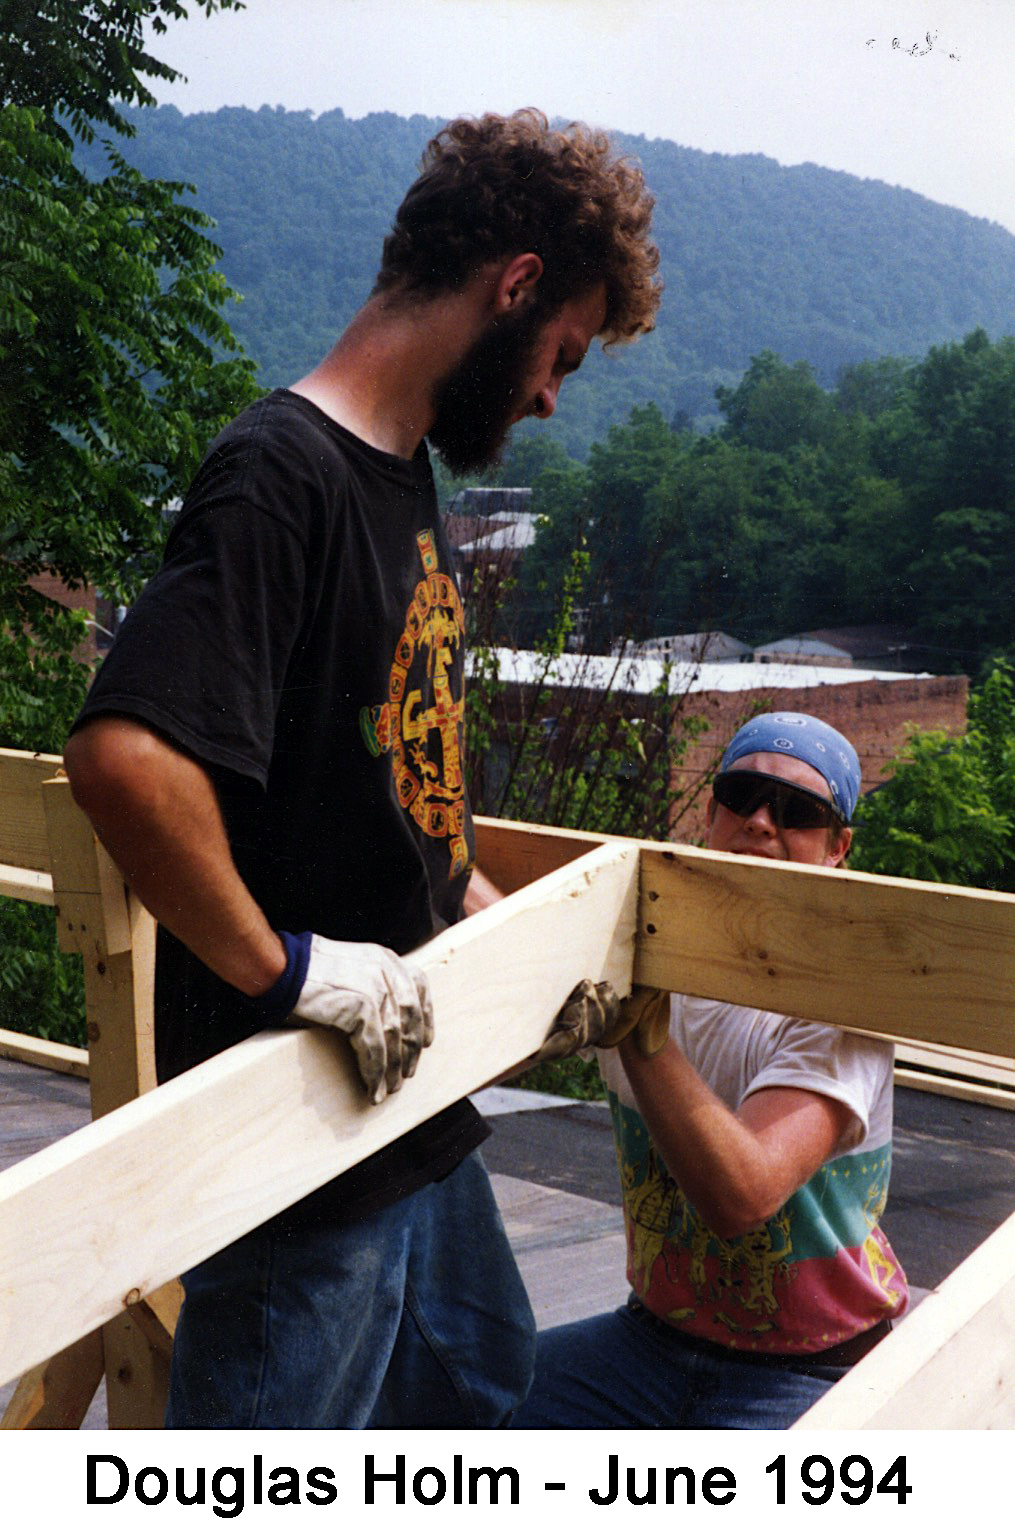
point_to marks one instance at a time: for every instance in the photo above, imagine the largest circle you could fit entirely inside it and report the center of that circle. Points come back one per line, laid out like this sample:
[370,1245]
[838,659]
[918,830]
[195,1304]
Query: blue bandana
[806,738]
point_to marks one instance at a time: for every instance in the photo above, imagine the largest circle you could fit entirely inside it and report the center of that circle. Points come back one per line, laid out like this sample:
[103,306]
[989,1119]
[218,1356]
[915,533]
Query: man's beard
[475,403]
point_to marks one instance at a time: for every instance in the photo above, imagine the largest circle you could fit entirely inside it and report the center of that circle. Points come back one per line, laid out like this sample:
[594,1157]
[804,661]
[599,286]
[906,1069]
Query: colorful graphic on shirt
[421,722]
[813,1275]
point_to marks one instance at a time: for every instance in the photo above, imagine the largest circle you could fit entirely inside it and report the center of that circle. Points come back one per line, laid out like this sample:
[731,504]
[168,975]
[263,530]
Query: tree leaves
[116,361]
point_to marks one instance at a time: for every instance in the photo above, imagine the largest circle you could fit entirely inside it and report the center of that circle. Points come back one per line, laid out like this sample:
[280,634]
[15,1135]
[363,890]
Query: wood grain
[888,957]
[23,839]
[87,1226]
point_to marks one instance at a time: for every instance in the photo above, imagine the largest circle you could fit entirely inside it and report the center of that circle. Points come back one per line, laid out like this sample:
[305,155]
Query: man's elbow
[740,1212]
[728,1223]
[106,762]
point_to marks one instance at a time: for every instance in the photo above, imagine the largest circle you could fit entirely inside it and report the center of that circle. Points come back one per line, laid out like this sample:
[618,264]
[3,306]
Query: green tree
[776,406]
[947,813]
[115,370]
[621,474]
[114,352]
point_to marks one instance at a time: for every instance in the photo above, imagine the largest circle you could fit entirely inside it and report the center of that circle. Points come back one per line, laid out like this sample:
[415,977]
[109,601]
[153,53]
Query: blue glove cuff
[278,1002]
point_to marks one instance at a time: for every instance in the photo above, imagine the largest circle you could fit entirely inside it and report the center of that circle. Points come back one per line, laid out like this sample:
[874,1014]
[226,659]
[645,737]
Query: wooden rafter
[88,1232]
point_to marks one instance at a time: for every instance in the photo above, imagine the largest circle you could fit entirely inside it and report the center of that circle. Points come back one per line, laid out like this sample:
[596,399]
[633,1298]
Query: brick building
[874,709]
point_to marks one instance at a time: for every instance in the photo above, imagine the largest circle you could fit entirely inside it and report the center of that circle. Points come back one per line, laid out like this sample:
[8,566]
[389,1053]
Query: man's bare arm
[737,1169]
[480,893]
[156,811]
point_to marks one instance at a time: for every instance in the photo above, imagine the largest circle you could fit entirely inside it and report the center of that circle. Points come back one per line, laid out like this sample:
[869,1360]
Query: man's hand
[589,1017]
[647,1012]
[379,1000]
[594,1016]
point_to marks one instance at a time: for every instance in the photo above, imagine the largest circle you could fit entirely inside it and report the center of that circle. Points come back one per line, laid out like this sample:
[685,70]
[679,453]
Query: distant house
[490,503]
[803,649]
[883,647]
[691,647]
[489,529]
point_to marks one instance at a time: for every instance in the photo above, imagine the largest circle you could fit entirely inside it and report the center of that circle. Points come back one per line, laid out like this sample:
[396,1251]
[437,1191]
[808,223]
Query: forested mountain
[812,264]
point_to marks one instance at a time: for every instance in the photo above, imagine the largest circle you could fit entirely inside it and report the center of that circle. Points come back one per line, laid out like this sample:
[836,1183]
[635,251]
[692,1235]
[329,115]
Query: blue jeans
[628,1369]
[413,1317]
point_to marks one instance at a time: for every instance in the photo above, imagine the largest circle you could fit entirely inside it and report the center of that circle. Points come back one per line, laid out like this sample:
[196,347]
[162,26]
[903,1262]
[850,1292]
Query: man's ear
[841,849]
[516,282]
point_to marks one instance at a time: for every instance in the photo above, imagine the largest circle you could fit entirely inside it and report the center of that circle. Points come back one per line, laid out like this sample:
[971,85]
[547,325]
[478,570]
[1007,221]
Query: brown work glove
[647,1012]
[594,1016]
[589,1017]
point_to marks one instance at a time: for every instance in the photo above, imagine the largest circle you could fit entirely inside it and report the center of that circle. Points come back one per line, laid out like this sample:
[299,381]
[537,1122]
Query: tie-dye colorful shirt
[820,1270]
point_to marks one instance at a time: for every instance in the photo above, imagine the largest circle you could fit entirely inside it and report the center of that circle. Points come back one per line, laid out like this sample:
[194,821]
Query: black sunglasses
[743,791]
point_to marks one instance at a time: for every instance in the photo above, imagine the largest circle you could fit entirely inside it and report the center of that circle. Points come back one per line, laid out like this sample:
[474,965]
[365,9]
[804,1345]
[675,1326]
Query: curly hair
[492,187]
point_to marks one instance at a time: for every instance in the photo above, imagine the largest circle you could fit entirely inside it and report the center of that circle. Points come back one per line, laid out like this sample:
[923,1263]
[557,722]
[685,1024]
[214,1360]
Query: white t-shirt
[820,1270]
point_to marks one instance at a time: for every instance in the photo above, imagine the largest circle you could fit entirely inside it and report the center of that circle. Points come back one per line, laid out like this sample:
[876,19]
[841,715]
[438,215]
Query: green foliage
[572,750]
[890,500]
[776,407]
[116,368]
[76,59]
[572,1077]
[41,989]
[948,812]
[112,342]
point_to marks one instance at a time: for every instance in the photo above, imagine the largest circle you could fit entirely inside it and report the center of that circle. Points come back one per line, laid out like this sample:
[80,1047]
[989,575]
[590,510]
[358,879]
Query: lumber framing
[69,1059]
[88,1229]
[927,965]
[91,1238]
[948,1365]
[24,840]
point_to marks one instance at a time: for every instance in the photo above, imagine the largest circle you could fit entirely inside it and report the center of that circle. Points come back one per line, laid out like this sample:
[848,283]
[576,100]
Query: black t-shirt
[303,640]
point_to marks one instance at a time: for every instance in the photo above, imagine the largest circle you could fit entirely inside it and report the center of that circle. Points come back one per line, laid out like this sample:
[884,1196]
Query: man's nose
[760,821]
[546,400]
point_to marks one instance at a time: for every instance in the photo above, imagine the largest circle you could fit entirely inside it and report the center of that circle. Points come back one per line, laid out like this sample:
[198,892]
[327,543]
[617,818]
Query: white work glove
[379,1000]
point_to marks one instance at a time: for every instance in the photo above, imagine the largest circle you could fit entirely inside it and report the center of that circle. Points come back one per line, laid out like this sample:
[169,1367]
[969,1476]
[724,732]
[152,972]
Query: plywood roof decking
[37,1107]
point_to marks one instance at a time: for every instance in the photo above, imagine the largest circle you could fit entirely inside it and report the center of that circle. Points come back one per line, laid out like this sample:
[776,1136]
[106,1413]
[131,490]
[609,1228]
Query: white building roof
[643,675]
[521,533]
[805,646]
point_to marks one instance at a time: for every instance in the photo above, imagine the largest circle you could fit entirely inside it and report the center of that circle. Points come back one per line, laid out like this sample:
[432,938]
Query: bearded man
[272,754]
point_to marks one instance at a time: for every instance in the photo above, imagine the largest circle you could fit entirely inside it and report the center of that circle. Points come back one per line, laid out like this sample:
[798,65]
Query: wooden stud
[24,841]
[58,1392]
[887,957]
[26,885]
[514,854]
[69,1059]
[952,1061]
[954,1087]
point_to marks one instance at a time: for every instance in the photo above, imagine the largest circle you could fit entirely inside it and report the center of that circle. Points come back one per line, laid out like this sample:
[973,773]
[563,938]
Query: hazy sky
[918,93]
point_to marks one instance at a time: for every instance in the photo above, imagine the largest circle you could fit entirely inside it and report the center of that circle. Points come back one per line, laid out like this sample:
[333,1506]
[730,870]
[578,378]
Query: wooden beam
[47,1053]
[955,1087]
[23,839]
[98,919]
[26,885]
[951,1061]
[88,890]
[889,957]
[57,1393]
[87,1226]
[948,1364]
[514,854]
